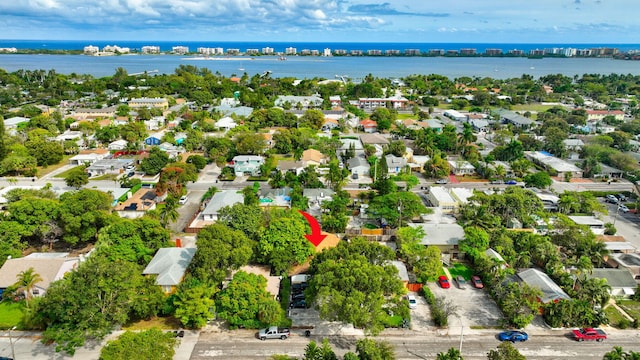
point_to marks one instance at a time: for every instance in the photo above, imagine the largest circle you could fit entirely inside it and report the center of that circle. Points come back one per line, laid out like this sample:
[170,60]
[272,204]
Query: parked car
[589,334]
[298,304]
[273,332]
[413,303]
[611,199]
[513,336]
[623,208]
[444,282]
[511,182]
[461,282]
[622,197]
[497,182]
[442,181]
[298,287]
[477,282]
[183,200]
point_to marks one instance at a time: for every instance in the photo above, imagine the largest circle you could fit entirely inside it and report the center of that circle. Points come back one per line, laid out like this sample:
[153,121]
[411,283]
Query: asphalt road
[413,345]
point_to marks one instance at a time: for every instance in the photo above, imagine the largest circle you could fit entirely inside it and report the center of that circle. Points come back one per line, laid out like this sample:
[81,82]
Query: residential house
[620,280]
[335,101]
[348,143]
[88,157]
[170,265]
[535,278]
[610,172]
[275,197]
[50,267]
[445,236]
[497,259]
[155,123]
[158,103]
[479,125]
[573,145]
[630,262]
[434,124]
[12,123]
[593,223]
[300,102]
[368,126]
[439,197]
[394,102]
[358,165]
[416,162]
[617,244]
[330,124]
[515,119]
[117,145]
[461,167]
[395,164]
[313,157]
[240,111]
[293,166]
[455,115]
[218,201]
[90,114]
[226,123]
[599,115]
[549,161]
[403,273]
[154,139]
[247,164]
[171,149]
[108,166]
[137,204]
[374,139]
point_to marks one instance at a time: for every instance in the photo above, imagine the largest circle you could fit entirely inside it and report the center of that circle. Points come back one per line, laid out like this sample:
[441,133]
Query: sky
[419,21]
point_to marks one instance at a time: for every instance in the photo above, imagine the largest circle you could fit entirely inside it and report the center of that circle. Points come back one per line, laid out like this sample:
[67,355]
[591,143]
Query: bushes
[440,309]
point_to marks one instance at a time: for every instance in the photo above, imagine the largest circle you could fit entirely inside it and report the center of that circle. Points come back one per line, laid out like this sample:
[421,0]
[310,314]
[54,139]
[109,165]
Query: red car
[477,282]
[444,282]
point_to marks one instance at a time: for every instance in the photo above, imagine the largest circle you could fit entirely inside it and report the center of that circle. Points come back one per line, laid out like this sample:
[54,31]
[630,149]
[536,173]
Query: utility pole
[13,351]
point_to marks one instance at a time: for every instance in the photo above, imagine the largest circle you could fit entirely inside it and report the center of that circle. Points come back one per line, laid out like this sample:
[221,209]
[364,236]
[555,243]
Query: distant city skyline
[483,21]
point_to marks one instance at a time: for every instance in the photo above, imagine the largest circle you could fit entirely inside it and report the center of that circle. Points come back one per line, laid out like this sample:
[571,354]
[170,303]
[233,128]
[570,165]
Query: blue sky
[481,21]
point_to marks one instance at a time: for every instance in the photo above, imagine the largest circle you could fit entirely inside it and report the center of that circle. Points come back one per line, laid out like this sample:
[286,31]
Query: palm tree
[27,280]
[169,212]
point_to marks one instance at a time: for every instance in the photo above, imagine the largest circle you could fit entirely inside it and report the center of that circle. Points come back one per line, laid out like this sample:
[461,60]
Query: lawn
[613,315]
[460,269]
[532,107]
[64,174]
[162,323]
[42,171]
[11,313]
[631,307]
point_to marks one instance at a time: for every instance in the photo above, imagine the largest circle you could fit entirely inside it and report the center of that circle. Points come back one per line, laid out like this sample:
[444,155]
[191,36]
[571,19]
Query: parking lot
[475,306]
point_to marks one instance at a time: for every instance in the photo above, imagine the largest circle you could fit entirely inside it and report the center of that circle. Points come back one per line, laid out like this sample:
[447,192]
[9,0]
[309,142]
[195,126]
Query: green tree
[451,354]
[27,280]
[155,162]
[83,213]
[541,180]
[169,210]
[245,302]
[370,349]
[323,352]
[505,351]
[77,178]
[132,240]
[312,118]
[394,205]
[246,218]
[194,305]
[91,301]
[148,344]
[250,143]
[198,161]
[355,283]
[220,250]
[475,242]
[282,243]
[519,303]
[437,167]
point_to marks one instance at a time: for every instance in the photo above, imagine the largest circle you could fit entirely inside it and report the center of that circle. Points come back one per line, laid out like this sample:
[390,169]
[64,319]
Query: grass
[162,323]
[631,307]
[42,171]
[531,107]
[460,269]
[106,177]
[11,313]
[64,174]
[613,315]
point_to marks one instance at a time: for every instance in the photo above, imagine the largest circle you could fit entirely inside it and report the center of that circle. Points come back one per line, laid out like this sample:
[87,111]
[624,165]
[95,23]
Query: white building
[220,200]
[439,197]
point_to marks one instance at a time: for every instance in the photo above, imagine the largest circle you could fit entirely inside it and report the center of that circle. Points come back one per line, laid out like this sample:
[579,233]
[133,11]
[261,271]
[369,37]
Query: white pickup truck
[274,332]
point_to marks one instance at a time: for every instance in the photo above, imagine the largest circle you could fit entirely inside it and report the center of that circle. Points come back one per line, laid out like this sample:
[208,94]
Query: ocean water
[307,67]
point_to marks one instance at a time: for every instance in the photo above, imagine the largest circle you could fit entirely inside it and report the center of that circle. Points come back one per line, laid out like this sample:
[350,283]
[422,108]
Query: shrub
[623,324]
[428,295]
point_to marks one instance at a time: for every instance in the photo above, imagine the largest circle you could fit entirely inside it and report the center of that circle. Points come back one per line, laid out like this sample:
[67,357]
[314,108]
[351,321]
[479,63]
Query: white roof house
[220,200]
[438,196]
[117,145]
[461,167]
[226,123]
[440,234]
[595,225]
[170,264]
[50,267]
[461,195]
[551,162]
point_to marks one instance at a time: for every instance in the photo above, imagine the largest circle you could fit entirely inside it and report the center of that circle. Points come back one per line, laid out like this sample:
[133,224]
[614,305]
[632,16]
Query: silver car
[461,282]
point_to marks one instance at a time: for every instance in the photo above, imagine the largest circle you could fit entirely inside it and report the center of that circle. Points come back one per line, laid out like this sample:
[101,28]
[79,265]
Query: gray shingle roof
[170,264]
[537,279]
